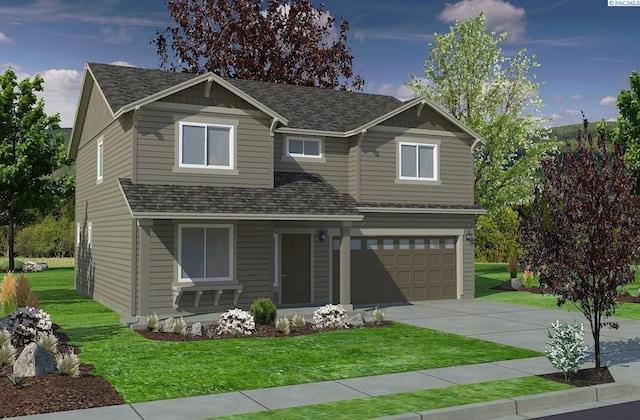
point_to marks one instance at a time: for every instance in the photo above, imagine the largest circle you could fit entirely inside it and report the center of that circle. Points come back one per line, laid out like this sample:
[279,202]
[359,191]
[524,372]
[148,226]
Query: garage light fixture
[322,235]
[469,236]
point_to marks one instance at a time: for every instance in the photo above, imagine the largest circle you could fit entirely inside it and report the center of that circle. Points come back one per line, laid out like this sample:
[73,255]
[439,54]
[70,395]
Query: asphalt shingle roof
[305,107]
[294,193]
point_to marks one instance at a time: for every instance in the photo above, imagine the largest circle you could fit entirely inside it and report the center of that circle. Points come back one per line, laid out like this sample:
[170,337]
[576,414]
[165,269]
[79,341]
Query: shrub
[567,350]
[378,316]
[49,342]
[496,235]
[24,295]
[180,326]
[50,237]
[5,337]
[330,316]
[18,381]
[7,355]
[283,325]
[237,322]
[68,364]
[8,293]
[25,324]
[528,277]
[264,311]
[298,320]
[513,267]
[153,322]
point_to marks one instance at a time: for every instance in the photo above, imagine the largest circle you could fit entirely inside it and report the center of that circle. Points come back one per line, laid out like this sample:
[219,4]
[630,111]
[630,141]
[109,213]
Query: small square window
[372,244]
[419,244]
[403,244]
[449,244]
[336,244]
[311,148]
[387,244]
[356,244]
[434,243]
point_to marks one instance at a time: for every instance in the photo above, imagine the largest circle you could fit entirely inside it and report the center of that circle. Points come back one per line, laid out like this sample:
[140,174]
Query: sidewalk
[514,325]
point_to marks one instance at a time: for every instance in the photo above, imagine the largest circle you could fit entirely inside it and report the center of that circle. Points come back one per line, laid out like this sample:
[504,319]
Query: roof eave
[406,210]
[248,216]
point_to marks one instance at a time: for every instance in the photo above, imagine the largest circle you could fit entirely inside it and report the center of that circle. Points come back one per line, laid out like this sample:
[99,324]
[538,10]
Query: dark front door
[296,269]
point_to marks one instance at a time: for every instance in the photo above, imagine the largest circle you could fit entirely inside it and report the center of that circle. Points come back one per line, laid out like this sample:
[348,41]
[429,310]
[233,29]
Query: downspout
[360,139]
[272,136]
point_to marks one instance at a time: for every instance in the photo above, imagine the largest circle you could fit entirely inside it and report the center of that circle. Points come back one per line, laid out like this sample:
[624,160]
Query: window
[434,243]
[206,145]
[205,253]
[311,148]
[418,161]
[89,234]
[78,233]
[387,244]
[100,164]
[372,244]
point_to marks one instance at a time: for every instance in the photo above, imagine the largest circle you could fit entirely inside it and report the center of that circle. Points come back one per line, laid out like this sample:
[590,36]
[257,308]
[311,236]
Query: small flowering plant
[26,324]
[237,322]
[330,316]
[566,349]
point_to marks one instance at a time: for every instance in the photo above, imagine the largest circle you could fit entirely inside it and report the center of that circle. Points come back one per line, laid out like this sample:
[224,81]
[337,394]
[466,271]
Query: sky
[586,49]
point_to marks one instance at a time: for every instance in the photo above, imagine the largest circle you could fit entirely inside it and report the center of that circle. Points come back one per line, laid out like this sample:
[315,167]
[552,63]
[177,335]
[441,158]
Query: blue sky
[586,48]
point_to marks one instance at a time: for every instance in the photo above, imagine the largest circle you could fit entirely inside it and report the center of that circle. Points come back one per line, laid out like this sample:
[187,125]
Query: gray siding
[379,171]
[428,119]
[334,167]
[321,274]
[98,115]
[103,270]
[156,153]
[218,96]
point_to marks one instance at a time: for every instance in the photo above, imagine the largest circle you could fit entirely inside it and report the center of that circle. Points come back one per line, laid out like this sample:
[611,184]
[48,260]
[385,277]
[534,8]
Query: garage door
[396,269]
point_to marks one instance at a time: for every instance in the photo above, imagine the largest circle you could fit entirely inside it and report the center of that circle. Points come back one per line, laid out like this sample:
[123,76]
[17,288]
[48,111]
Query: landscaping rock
[513,284]
[167,326]
[43,265]
[3,322]
[31,267]
[33,361]
[197,329]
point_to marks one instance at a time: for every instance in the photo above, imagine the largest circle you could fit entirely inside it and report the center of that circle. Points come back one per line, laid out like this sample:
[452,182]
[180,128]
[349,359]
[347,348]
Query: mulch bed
[583,377]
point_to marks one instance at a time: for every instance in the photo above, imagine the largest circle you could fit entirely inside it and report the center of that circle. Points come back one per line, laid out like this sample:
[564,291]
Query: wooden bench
[199,290]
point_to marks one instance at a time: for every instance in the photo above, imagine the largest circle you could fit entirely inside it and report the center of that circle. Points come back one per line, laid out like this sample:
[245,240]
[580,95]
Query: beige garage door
[397,269]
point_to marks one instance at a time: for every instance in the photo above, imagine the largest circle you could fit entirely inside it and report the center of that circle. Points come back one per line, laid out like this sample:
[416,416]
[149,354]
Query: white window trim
[100,161]
[78,233]
[417,145]
[320,154]
[231,253]
[89,234]
[232,142]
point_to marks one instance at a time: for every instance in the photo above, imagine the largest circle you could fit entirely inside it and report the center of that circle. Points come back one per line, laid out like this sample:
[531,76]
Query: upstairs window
[418,161]
[297,147]
[206,145]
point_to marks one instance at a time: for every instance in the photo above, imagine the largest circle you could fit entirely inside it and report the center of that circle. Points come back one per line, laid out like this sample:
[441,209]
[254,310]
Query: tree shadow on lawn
[486,286]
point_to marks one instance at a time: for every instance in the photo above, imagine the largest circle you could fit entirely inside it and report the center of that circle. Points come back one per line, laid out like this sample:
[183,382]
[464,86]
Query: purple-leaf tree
[288,42]
[582,234]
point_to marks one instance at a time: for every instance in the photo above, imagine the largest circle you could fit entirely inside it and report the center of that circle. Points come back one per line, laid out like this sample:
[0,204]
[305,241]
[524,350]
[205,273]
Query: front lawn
[143,370]
[489,275]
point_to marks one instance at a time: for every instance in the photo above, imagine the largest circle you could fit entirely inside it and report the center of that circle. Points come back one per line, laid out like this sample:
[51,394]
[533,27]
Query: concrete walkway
[514,325]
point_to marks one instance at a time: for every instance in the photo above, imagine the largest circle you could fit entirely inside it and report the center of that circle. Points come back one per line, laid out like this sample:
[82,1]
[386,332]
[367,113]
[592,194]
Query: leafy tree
[29,154]
[289,42]
[497,235]
[582,231]
[627,131]
[496,96]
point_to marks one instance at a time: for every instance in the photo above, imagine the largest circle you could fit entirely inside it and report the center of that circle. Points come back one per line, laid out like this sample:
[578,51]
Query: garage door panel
[399,269]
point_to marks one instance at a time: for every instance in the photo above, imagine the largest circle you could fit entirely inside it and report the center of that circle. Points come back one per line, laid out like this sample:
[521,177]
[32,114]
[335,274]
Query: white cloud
[558,98]
[119,36]
[359,36]
[402,92]
[122,63]
[570,116]
[61,92]
[577,97]
[5,39]
[501,16]
[608,101]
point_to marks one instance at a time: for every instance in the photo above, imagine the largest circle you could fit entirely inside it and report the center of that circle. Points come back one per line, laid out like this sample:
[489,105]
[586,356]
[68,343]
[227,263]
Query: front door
[296,269]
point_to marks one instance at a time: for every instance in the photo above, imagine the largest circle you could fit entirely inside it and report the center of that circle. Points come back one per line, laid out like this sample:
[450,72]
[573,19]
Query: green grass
[489,275]
[144,370]
[51,262]
[410,402]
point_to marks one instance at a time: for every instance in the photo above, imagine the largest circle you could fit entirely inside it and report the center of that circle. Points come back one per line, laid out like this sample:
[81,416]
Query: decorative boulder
[196,329]
[31,267]
[513,284]
[43,265]
[168,325]
[33,361]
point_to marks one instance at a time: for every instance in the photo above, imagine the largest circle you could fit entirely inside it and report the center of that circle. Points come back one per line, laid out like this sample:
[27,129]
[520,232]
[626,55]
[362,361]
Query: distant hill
[569,132]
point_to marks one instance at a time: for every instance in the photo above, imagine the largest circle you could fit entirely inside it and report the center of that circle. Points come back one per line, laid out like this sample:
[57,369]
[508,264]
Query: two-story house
[195,193]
